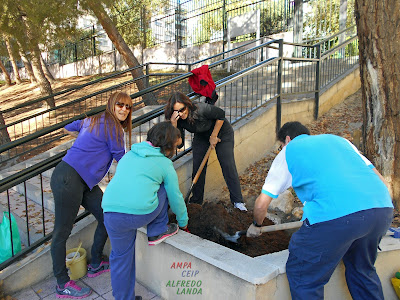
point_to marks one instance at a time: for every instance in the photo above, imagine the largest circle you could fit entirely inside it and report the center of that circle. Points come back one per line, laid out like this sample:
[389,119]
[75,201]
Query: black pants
[70,191]
[226,160]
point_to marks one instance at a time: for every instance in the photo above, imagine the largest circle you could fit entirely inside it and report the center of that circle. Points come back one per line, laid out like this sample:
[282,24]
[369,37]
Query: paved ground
[101,286]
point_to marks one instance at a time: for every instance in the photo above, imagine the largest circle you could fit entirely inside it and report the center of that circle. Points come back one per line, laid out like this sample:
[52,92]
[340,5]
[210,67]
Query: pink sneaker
[94,272]
[72,290]
[154,240]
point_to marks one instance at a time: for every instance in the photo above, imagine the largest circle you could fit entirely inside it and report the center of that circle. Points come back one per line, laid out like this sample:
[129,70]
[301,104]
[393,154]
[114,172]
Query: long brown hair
[111,121]
[178,97]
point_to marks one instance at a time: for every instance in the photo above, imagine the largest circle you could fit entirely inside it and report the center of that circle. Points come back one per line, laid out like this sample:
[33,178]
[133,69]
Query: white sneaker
[240,205]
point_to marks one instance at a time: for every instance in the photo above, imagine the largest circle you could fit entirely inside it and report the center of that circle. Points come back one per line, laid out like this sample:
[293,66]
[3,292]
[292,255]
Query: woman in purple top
[99,140]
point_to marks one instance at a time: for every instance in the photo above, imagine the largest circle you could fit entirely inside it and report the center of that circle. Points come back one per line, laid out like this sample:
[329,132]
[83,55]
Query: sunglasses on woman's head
[121,105]
[181,109]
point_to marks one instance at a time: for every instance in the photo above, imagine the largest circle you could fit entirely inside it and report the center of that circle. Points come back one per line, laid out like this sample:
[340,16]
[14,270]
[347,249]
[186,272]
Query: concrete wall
[340,90]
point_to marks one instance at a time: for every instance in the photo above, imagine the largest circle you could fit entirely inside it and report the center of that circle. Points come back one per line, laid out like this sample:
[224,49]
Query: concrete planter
[188,267]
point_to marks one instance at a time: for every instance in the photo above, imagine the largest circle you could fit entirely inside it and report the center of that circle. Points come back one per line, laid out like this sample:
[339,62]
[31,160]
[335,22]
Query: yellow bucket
[78,265]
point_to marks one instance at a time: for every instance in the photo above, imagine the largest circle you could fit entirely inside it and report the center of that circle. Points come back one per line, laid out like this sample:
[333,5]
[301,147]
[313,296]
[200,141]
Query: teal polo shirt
[330,177]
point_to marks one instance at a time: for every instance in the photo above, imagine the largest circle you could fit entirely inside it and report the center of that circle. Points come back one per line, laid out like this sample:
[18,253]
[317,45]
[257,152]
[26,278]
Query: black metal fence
[188,23]
[37,130]
[40,129]
[27,194]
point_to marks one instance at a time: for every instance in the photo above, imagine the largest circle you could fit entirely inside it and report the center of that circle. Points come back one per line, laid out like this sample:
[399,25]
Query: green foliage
[273,17]
[78,46]
[3,48]
[132,17]
[352,49]
[50,21]
[323,20]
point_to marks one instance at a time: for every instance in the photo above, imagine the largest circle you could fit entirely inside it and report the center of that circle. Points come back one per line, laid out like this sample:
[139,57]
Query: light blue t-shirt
[330,177]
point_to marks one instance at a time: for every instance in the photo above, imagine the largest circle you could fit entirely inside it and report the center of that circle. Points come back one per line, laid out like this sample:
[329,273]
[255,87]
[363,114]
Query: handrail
[335,35]
[68,90]
[21,176]
[71,102]
[49,129]
[100,109]
[147,90]
[186,75]
[244,72]
[27,173]
[193,96]
[325,39]
[80,99]
[351,39]
[115,75]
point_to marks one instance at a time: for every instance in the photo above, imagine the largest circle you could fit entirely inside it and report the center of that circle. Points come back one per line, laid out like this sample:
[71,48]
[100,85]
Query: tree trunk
[6,75]
[44,84]
[122,47]
[298,26]
[379,33]
[12,59]
[46,70]
[342,23]
[4,136]
[28,66]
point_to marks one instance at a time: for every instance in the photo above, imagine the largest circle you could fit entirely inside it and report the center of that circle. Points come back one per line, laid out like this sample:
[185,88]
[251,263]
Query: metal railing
[241,93]
[36,129]
[188,23]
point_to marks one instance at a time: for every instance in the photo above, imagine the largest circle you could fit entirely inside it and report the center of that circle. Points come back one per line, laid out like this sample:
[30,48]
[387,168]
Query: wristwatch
[255,224]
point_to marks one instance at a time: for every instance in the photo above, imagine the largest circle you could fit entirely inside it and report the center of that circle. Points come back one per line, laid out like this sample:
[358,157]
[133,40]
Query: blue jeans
[70,192]
[122,230]
[315,251]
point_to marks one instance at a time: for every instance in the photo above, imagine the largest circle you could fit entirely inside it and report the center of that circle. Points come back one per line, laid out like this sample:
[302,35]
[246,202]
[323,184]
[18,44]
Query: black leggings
[226,158]
[70,191]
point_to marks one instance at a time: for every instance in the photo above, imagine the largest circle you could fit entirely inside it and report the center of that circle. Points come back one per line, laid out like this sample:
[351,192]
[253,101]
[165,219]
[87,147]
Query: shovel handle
[203,163]
[283,226]
[196,177]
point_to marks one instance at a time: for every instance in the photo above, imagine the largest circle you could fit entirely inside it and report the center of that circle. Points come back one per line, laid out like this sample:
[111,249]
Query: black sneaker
[71,290]
[172,229]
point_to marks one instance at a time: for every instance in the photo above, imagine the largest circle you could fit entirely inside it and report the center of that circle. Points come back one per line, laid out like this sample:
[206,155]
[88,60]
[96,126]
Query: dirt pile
[206,219]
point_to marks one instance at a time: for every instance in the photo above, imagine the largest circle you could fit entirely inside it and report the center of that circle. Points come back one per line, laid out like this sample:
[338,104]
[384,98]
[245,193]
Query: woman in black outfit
[210,127]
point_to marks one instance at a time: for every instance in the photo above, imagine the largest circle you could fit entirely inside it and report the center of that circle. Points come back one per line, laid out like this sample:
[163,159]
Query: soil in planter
[203,219]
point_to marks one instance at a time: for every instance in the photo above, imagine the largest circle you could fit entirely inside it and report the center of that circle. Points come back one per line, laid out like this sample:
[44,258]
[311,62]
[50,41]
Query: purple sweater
[92,153]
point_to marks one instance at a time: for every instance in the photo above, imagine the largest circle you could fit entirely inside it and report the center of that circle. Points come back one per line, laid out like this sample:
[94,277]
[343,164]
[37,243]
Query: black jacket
[204,117]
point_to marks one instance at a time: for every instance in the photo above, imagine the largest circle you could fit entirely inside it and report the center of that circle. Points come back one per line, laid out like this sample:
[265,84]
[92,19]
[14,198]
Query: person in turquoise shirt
[347,209]
[145,183]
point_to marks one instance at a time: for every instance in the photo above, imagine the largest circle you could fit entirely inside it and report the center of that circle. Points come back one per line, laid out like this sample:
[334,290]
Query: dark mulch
[204,220]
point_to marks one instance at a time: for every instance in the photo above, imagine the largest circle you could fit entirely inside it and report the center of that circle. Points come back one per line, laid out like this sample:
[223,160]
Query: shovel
[234,238]
[196,177]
